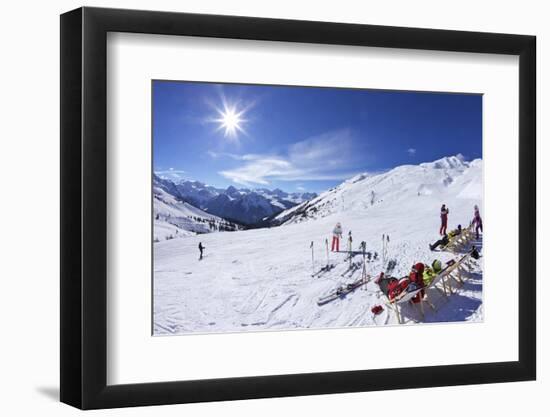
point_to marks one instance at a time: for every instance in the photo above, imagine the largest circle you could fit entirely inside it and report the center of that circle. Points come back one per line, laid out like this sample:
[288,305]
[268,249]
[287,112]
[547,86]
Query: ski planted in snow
[312,259]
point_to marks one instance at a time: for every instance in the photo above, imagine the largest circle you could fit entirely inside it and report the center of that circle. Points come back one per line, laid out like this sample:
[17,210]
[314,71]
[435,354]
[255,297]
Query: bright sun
[230,120]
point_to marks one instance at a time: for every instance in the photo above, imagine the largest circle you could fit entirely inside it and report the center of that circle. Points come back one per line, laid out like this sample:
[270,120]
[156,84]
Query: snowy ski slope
[255,280]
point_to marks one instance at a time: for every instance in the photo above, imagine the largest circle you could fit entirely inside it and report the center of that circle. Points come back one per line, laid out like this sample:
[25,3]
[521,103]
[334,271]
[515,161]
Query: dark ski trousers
[478,228]
[443,228]
[440,242]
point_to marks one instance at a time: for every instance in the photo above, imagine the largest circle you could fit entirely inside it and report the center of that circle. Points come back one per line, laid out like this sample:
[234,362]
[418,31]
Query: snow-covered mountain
[242,205]
[261,279]
[399,186]
[175,218]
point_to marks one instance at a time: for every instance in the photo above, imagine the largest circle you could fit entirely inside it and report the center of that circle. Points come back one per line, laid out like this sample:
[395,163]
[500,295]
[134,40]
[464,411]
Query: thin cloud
[330,156]
[171,174]
[411,151]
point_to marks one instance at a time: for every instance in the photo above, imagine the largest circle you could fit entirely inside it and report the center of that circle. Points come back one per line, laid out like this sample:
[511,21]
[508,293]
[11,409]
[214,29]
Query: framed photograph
[257,208]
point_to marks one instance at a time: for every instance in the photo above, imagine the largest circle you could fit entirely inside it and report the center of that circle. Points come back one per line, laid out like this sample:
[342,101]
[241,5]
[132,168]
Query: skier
[444,215]
[477,221]
[201,248]
[336,236]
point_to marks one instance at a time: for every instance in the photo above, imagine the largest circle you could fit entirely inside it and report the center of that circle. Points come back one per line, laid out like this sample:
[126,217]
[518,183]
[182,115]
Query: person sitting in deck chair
[431,271]
[444,241]
[416,279]
[391,286]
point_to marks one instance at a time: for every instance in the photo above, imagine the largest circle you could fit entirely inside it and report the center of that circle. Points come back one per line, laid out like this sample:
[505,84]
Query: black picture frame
[84,207]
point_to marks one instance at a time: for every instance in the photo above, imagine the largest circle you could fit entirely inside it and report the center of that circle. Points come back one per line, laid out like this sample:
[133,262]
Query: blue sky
[303,138]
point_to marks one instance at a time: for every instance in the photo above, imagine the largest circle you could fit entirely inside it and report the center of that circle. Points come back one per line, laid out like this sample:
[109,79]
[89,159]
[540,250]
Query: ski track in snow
[261,279]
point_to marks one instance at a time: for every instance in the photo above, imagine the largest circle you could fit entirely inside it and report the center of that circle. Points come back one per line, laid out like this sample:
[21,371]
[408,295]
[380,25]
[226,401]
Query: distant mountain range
[175,218]
[246,206]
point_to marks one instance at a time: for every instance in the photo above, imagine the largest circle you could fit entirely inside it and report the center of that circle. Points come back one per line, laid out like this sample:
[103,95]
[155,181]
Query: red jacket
[396,287]
[417,273]
[417,276]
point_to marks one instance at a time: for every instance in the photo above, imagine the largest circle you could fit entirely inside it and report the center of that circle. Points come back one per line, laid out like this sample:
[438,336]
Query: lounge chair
[458,242]
[459,271]
[403,298]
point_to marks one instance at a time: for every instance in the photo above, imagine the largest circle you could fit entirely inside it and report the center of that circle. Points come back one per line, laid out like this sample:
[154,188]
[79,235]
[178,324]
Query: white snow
[175,219]
[261,279]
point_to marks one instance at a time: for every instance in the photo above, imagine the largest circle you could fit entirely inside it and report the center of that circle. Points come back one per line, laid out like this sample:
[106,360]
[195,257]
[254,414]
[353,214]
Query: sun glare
[230,120]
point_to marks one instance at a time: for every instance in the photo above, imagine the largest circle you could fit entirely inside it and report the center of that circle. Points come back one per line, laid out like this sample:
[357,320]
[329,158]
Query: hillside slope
[174,218]
[261,279]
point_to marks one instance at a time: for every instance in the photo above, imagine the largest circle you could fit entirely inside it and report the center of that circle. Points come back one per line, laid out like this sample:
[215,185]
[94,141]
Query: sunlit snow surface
[257,280]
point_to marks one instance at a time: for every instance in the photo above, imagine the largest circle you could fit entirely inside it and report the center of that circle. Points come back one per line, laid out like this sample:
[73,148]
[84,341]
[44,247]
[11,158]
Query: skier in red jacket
[444,216]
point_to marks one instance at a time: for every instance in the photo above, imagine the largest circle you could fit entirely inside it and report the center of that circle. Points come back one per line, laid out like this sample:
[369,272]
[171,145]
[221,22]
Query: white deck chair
[459,271]
[460,241]
[440,283]
[401,300]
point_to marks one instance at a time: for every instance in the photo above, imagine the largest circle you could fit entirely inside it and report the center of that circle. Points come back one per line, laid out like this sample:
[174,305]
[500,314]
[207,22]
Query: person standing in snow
[477,221]
[201,248]
[444,216]
[336,236]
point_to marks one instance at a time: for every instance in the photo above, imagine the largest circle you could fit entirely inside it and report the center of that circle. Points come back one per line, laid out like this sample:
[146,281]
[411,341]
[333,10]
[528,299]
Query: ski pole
[364,273]
[326,246]
[312,259]
[387,244]
[383,256]
[349,247]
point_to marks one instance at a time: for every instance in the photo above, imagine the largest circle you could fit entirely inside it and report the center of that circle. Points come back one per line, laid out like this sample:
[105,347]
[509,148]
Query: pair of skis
[341,292]
[323,269]
[356,265]
[351,269]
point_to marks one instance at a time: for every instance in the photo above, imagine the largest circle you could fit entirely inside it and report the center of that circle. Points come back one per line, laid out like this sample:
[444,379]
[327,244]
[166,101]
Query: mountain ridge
[248,206]
[405,181]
